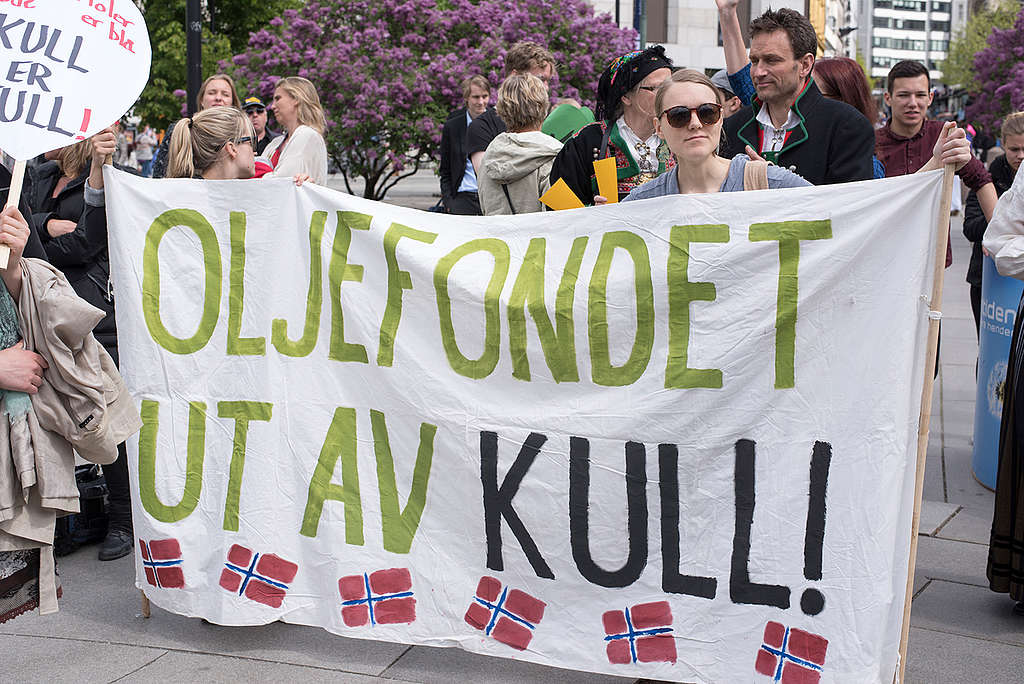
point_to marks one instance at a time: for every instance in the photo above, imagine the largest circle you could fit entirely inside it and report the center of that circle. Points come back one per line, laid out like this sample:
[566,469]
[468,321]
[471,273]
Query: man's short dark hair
[908,68]
[802,37]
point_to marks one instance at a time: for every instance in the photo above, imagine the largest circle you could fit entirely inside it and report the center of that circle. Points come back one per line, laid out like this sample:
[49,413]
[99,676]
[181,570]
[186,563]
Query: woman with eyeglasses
[689,120]
[215,144]
[302,149]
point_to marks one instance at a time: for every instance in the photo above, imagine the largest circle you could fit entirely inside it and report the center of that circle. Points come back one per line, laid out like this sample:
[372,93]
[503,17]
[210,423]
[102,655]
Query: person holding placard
[217,91]
[302,149]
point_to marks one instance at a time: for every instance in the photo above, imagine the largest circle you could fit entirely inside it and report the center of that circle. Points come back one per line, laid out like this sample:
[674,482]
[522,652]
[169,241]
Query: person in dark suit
[458,179]
[789,122]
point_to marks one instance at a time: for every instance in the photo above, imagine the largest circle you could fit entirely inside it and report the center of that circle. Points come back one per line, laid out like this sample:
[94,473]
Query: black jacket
[81,254]
[833,143]
[453,154]
[33,248]
[975,222]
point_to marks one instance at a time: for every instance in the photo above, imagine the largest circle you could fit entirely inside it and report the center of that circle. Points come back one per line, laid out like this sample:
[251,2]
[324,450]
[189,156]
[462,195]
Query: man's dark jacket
[453,154]
[975,222]
[832,144]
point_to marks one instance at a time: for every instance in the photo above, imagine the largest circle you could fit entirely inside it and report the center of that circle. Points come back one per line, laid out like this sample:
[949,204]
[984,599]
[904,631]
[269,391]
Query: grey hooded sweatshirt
[522,163]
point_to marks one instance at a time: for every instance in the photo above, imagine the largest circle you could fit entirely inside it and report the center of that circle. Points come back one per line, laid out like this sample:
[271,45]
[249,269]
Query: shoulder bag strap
[508,197]
[755,175]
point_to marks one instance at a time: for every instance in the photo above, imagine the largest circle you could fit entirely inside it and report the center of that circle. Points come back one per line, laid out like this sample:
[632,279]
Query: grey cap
[721,80]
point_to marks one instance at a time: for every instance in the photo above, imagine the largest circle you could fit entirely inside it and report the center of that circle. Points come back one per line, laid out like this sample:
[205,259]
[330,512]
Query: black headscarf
[625,73]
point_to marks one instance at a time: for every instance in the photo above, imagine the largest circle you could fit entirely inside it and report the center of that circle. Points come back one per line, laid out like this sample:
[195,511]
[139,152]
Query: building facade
[689,28]
[909,29]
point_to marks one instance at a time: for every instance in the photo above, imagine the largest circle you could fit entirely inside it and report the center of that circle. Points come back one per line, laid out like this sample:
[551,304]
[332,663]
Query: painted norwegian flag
[640,634]
[791,655]
[161,561]
[260,577]
[383,597]
[510,616]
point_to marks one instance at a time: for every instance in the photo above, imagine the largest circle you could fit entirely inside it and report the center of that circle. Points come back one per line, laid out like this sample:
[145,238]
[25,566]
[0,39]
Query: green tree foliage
[958,68]
[226,28]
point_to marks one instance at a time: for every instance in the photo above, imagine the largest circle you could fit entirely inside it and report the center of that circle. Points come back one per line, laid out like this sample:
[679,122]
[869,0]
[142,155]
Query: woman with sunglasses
[689,120]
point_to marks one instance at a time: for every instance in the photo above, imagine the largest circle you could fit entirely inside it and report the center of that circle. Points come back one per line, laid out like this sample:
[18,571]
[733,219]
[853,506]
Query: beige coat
[82,405]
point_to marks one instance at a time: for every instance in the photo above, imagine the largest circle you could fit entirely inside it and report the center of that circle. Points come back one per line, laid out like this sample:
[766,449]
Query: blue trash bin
[999,298]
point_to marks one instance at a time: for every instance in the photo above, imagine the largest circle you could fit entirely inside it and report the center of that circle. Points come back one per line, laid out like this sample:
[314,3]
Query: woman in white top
[301,150]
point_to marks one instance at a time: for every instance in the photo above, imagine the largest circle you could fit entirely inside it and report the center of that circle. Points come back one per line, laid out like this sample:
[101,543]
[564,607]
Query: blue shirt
[468,183]
[668,183]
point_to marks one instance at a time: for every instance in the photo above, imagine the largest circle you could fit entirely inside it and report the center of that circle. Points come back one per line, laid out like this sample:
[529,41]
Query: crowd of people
[776,117]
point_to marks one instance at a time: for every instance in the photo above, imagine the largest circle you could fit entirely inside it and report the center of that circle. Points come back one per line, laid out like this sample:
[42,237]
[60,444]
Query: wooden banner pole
[935,307]
[13,199]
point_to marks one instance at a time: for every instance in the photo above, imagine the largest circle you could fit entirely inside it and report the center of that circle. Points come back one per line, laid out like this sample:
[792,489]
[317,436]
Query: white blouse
[306,152]
[1004,237]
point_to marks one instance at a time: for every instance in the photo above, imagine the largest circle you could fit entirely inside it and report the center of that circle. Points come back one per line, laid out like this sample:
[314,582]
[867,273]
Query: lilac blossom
[389,71]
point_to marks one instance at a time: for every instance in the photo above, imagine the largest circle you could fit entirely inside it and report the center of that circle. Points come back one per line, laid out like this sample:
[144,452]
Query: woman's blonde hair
[522,102]
[235,102]
[1013,125]
[684,76]
[196,143]
[309,111]
[74,159]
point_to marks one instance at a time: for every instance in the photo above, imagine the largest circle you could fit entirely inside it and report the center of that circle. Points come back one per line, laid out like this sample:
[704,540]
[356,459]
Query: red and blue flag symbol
[640,634]
[383,597]
[161,561]
[510,616]
[260,577]
[791,655]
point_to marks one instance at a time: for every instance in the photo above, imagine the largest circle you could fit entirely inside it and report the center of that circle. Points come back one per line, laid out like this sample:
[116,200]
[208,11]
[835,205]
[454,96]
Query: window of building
[743,12]
[657,21]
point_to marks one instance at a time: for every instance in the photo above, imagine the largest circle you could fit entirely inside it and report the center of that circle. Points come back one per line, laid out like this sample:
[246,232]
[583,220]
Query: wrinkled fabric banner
[671,439]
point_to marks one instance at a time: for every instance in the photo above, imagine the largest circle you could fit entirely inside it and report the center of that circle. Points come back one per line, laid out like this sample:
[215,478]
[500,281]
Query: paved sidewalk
[960,631]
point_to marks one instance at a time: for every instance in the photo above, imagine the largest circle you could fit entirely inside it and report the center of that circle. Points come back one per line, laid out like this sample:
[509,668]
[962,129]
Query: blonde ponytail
[179,153]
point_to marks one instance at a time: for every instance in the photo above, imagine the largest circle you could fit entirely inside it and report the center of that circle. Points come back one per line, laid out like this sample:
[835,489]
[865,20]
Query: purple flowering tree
[999,73]
[389,71]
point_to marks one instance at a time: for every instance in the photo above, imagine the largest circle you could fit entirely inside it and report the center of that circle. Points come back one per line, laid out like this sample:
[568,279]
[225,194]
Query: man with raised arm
[789,122]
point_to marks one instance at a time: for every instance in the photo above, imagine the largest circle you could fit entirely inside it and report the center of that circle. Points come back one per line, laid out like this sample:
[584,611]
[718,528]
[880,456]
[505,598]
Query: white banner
[671,439]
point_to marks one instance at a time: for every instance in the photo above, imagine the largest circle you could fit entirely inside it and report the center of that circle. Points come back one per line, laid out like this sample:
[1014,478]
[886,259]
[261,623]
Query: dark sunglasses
[679,117]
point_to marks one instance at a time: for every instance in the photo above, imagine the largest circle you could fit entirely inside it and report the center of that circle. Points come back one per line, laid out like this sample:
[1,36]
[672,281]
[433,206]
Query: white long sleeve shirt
[1004,237]
[305,152]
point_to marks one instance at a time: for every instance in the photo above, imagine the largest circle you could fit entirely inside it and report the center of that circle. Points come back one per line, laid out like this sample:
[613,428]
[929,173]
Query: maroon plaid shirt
[906,155]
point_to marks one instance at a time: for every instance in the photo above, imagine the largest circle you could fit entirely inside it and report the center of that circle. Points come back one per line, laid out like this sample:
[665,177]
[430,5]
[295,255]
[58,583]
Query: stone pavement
[960,630]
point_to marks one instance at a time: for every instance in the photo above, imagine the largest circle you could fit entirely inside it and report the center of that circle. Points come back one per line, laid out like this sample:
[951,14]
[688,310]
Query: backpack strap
[755,175]
[509,198]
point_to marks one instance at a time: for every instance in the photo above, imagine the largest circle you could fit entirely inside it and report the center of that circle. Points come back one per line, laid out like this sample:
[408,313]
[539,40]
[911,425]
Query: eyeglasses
[679,117]
[239,141]
[255,110]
